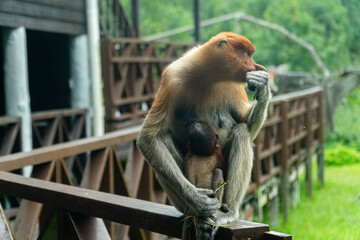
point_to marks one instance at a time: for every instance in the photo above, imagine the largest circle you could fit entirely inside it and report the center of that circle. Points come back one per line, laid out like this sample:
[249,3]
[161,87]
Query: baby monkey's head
[202,139]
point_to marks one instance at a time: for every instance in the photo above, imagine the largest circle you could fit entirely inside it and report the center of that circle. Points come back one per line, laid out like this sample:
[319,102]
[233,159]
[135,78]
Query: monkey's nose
[259,67]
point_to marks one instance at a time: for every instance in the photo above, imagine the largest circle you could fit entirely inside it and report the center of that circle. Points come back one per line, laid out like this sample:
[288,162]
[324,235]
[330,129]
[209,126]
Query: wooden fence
[131,71]
[291,135]
[105,173]
[48,128]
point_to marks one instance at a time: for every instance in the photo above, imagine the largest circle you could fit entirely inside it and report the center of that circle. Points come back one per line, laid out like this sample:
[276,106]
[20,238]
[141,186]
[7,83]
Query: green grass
[332,212]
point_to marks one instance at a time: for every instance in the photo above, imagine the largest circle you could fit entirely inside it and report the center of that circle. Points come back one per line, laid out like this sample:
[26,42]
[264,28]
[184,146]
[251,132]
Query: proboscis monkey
[207,83]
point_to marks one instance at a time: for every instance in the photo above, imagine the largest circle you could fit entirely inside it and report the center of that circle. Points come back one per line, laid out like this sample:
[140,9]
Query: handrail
[62,150]
[134,212]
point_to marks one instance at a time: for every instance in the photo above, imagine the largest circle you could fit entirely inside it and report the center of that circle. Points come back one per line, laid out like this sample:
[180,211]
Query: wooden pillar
[80,82]
[284,161]
[321,161]
[309,144]
[17,96]
[95,66]
[135,16]
[197,34]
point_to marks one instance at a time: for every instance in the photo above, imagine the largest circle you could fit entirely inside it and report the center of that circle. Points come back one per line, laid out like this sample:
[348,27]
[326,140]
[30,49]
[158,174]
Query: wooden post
[320,157]
[273,210]
[79,82]
[284,160]
[309,144]
[135,16]
[197,20]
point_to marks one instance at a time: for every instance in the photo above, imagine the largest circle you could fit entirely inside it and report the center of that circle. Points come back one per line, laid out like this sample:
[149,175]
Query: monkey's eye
[217,136]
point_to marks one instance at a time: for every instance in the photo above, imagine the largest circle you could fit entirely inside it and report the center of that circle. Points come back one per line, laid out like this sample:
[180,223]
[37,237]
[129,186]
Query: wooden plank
[94,171]
[142,59]
[41,115]
[76,5]
[88,228]
[242,230]
[271,235]
[9,138]
[45,154]
[129,211]
[8,119]
[284,160]
[30,211]
[38,11]
[11,20]
[137,213]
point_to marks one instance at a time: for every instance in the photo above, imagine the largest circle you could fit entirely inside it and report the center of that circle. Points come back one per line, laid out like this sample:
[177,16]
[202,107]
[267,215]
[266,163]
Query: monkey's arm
[258,81]
[162,155]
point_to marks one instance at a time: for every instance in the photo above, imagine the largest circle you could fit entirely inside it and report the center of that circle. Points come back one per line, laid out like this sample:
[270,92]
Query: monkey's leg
[160,152]
[239,170]
[217,180]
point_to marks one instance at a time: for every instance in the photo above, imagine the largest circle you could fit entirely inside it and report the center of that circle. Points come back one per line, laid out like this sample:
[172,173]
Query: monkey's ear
[223,41]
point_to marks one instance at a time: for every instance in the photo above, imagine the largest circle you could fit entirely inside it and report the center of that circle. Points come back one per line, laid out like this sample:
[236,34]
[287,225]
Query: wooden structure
[10,135]
[103,172]
[61,16]
[57,126]
[131,71]
[291,135]
[48,128]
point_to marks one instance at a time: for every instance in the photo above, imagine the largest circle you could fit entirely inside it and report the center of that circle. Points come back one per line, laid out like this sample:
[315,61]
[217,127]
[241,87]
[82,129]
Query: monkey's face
[235,52]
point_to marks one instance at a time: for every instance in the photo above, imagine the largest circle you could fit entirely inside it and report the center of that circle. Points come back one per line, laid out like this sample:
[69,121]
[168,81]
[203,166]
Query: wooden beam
[11,20]
[77,5]
[16,7]
[129,211]
[134,212]
[46,154]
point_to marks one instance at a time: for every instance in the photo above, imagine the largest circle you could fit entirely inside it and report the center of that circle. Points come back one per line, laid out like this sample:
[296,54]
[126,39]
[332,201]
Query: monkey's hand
[207,227]
[258,81]
[203,203]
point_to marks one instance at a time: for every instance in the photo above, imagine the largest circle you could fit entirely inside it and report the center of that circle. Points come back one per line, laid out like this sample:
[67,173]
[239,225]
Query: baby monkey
[204,161]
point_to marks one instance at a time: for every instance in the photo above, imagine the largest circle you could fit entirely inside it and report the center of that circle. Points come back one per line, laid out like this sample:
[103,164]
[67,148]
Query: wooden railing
[290,137]
[57,126]
[131,71]
[104,172]
[48,128]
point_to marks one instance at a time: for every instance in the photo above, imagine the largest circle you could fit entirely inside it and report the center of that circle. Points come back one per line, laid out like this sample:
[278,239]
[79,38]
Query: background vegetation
[332,26]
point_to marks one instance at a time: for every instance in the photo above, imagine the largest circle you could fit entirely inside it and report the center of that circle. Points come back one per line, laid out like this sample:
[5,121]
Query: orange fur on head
[238,53]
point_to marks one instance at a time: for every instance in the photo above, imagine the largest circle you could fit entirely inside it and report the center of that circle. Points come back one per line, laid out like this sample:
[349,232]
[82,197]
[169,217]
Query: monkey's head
[233,54]
[202,139]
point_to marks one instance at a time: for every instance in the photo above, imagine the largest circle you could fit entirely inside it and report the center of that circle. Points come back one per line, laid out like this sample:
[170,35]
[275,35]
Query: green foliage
[332,26]
[332,212]
[347,122]
[338,155]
